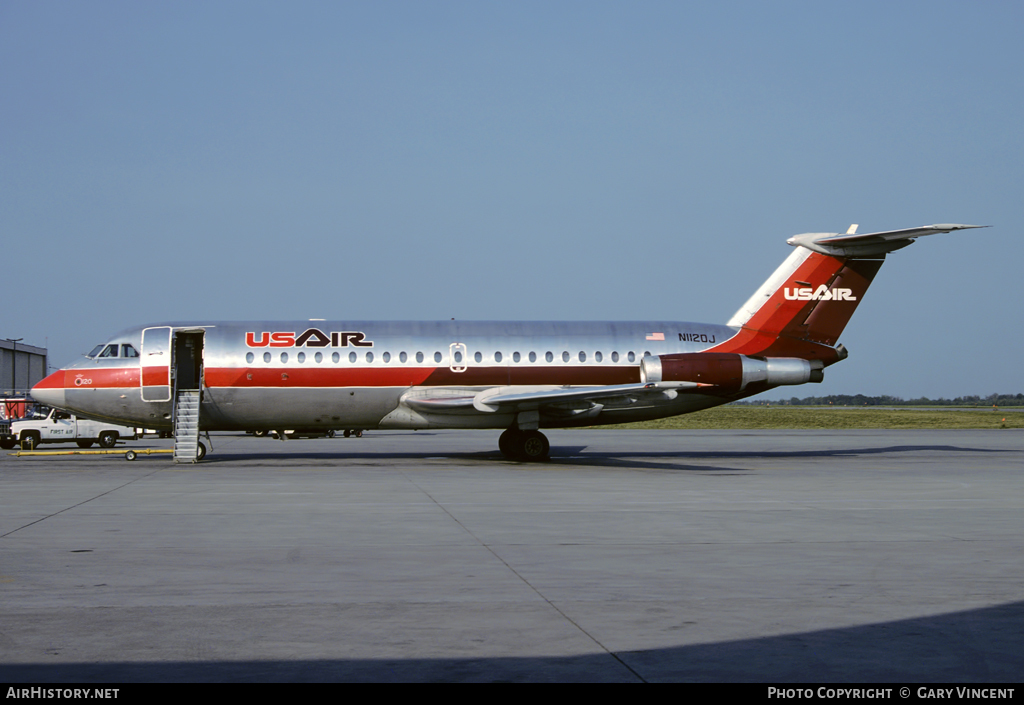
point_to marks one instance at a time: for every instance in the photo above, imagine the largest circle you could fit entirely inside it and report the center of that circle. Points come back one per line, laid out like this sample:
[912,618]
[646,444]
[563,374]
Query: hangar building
[21,366]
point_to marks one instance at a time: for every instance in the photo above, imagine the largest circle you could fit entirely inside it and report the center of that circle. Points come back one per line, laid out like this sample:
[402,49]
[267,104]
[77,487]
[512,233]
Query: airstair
[186,426]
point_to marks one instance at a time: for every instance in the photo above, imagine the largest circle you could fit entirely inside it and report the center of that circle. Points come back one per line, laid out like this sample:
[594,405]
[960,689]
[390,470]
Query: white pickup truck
[63,427]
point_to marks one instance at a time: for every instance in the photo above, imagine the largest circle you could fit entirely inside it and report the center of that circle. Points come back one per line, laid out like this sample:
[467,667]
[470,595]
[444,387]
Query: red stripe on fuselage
[156,376]
[243,377]
[418,376]
[52,381]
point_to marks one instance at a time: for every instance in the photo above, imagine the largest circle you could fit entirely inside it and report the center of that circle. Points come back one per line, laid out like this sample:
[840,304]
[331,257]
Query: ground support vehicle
[63,427]
[7,440]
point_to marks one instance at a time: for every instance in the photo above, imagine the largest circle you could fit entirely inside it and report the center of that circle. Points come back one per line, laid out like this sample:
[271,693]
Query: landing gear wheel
[508,442]
[330,434]
[359,433]
[348,432]
[107,439]
[530,446]
[534,446]
[200,451]
[83,444]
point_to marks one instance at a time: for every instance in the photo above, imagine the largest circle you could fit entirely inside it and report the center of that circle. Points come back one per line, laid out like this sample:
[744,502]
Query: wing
[440,400]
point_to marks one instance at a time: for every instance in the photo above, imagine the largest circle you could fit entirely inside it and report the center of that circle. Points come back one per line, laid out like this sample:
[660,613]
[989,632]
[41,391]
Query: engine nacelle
[729,372]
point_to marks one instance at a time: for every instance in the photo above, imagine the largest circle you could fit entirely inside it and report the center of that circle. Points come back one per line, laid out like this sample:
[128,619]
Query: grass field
[782,417]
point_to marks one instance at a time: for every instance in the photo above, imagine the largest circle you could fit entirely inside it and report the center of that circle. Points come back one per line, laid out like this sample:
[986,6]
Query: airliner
[195,377]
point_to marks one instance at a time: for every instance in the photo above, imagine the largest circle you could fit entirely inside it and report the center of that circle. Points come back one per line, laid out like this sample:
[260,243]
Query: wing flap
[518,398]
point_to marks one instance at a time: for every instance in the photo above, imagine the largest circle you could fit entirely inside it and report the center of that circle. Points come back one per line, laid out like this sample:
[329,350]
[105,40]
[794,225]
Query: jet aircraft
[192,377]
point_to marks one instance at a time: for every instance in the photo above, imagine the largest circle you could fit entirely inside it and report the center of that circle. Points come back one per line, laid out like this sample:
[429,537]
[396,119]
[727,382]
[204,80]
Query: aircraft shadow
[975,646]
[579,456]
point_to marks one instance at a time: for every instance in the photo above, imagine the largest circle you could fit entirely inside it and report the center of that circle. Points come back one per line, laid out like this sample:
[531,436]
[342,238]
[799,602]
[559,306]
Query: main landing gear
[530,446]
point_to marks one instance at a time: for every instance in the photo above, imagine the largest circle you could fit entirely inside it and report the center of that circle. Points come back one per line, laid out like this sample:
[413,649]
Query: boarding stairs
[186,426]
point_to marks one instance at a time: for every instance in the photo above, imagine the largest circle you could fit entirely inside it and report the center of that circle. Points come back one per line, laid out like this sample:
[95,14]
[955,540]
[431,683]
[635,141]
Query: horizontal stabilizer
[869,244]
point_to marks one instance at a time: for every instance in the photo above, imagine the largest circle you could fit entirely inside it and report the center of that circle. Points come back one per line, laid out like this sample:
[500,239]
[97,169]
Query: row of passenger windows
[457,357]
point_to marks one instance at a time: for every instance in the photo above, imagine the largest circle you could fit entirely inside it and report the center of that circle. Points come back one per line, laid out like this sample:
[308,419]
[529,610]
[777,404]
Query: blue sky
[516,160]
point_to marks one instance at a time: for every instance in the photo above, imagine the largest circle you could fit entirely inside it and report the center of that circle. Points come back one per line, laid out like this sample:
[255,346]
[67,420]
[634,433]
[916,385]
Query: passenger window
[631,357]
[419,357]
[615,357]
[369,357]
[402,357]
[386,357]
[515,357]
[302,357]
[319,357]
[351,357]
[335,357]
[249,357]
[598,356]
[583,356]
[565,356]
[533,357]
[437,357]
[478,357]
[266,357]
[549,356]
[497,357]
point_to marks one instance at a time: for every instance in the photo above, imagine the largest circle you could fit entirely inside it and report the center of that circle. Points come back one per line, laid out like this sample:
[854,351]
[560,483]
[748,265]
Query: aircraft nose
[50,390]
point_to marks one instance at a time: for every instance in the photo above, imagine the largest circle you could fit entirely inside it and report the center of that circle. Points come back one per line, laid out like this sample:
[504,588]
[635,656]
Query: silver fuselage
[367,374]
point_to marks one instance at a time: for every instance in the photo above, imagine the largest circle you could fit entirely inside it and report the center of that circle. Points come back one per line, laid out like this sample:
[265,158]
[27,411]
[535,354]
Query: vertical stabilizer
[806,303]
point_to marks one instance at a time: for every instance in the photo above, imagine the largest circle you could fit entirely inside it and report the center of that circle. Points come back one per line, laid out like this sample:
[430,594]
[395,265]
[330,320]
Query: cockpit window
[109,351]
[95,351]
[128,351]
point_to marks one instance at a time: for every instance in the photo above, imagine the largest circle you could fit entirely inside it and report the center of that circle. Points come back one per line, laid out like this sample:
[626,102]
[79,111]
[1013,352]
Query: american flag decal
[655,336]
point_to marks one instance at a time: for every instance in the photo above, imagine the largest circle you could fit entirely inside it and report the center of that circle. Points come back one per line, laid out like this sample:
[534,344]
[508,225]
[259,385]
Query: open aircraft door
[155,359]
[187,361]
[171,360]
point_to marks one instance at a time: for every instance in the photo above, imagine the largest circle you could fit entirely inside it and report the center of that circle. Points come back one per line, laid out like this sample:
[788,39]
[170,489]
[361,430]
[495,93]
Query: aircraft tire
[534,446]
[508,442]
[200,451]
[107,439]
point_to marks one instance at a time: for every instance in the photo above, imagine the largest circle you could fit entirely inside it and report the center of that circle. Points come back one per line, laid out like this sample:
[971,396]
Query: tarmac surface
[766,556]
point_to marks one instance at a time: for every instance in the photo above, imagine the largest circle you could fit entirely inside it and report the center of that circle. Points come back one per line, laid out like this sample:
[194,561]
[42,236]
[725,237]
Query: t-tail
[802,309]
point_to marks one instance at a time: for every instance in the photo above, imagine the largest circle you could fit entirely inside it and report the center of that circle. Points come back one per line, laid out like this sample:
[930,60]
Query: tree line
[886,400]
